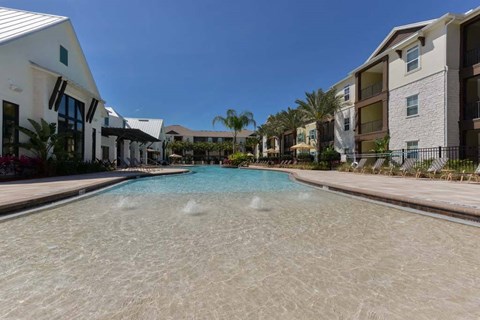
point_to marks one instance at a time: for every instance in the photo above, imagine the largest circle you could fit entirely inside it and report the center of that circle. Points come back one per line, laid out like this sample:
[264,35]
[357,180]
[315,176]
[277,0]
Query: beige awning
[302,146]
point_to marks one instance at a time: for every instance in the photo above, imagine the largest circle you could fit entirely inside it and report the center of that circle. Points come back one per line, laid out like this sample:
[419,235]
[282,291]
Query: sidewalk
[19,195]
[451,198]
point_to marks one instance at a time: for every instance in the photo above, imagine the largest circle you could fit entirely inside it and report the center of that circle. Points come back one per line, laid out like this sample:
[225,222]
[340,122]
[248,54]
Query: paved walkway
[17,195]
[425,194]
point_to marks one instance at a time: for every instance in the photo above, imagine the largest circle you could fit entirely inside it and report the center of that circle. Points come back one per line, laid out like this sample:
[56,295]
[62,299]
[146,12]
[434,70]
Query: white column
[126,151]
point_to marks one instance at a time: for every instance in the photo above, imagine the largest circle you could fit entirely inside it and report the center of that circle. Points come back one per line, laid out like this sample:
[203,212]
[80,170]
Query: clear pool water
[235,244]
[205,179]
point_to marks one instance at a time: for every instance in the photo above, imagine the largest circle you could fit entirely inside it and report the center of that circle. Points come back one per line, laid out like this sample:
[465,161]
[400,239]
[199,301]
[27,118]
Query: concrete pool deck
[23,194]
[456,199]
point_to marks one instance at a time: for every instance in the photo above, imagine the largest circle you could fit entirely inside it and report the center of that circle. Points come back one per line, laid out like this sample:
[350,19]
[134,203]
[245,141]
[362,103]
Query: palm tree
[290,120]
[277,128]
[319,107]
[235,122]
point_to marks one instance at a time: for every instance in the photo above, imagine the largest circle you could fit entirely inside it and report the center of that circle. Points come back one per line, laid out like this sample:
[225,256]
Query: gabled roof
[151,126]
[18,23]
[112,112]
[182,131]
[398,34]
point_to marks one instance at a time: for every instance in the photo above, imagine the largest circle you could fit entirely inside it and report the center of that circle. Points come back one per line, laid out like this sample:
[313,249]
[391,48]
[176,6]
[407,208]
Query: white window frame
[416,46]
[345,123]
[412,106]
[346,93]
[412,152]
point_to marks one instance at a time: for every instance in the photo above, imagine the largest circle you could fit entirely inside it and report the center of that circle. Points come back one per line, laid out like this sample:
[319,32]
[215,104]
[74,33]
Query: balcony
[472,110]
[371,91]
[371,126]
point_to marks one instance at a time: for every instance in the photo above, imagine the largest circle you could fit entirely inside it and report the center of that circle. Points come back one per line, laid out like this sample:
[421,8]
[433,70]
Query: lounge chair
[378,165]
[361,165]
[407,166]
[436,166]
[475,175]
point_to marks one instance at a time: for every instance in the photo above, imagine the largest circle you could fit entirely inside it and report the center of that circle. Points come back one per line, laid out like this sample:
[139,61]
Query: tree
[319,107]
[290,120]
[235,122]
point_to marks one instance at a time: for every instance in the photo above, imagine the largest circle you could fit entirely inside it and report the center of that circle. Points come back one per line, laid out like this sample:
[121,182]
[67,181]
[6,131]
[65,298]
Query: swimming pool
[202,246]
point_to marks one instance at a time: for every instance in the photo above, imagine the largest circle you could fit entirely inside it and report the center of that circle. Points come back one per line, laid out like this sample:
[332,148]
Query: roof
[112,112]
[151,126]
[183,131]
[18,23]
[128,134]
[397,35]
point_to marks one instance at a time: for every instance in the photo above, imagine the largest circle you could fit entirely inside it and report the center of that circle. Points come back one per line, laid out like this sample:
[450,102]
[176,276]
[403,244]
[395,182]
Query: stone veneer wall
[428,126]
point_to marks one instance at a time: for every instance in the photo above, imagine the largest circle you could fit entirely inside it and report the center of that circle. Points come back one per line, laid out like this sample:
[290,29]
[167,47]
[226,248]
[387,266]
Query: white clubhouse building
[44,75]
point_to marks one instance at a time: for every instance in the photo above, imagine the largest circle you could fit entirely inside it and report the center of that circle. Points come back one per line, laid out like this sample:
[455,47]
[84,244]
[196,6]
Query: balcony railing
[326,138]
[370,91]
[472,110]
[371,126]
[471,57]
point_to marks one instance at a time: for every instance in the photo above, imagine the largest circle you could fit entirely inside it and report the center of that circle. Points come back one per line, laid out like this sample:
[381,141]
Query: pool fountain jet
[304,195]
[258,204]
[126,204]
[193,208]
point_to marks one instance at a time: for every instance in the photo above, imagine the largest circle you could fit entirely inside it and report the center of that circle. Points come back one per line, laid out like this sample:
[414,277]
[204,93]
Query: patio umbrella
[302,146]
[173,155]
[271,150]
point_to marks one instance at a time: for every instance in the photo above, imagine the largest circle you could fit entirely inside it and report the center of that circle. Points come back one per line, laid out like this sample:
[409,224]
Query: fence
[459,157]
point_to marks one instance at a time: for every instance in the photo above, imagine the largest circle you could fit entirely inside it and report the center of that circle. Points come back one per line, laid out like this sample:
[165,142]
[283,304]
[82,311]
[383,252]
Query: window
[346,93]
[71,124]
[311,134]
[412,58]
[9,129]
[63,55]
[105,153]
[107,121]
[346,124]
[346,150]
[412,105]
[412,149]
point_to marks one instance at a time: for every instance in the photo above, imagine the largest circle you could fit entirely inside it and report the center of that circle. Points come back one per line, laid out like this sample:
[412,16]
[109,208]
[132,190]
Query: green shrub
[305,157]
[329,154]
[237,158]
[322,165]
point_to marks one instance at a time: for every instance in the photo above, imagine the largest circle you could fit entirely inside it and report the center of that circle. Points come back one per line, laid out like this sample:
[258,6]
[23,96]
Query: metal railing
[370,91]
[471,110]
[371,126]
[471,57]
[460,158]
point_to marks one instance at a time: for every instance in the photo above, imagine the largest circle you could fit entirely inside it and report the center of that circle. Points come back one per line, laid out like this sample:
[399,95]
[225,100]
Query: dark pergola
[129,134]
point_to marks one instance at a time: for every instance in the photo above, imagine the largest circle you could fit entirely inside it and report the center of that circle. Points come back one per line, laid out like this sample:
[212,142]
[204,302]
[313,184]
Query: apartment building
[421,86]
[181,133]
[44,75]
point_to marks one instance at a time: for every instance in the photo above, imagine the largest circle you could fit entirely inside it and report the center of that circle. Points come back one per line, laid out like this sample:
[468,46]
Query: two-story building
[44,75]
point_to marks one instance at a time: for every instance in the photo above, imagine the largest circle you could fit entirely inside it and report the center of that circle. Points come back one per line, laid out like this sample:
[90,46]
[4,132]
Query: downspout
[445,87]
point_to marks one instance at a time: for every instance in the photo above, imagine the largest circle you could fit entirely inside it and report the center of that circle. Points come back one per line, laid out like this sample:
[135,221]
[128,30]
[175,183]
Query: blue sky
[187,61]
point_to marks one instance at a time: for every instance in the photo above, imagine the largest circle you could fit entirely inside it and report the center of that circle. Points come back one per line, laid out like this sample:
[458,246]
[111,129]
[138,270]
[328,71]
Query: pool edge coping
[13,210]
